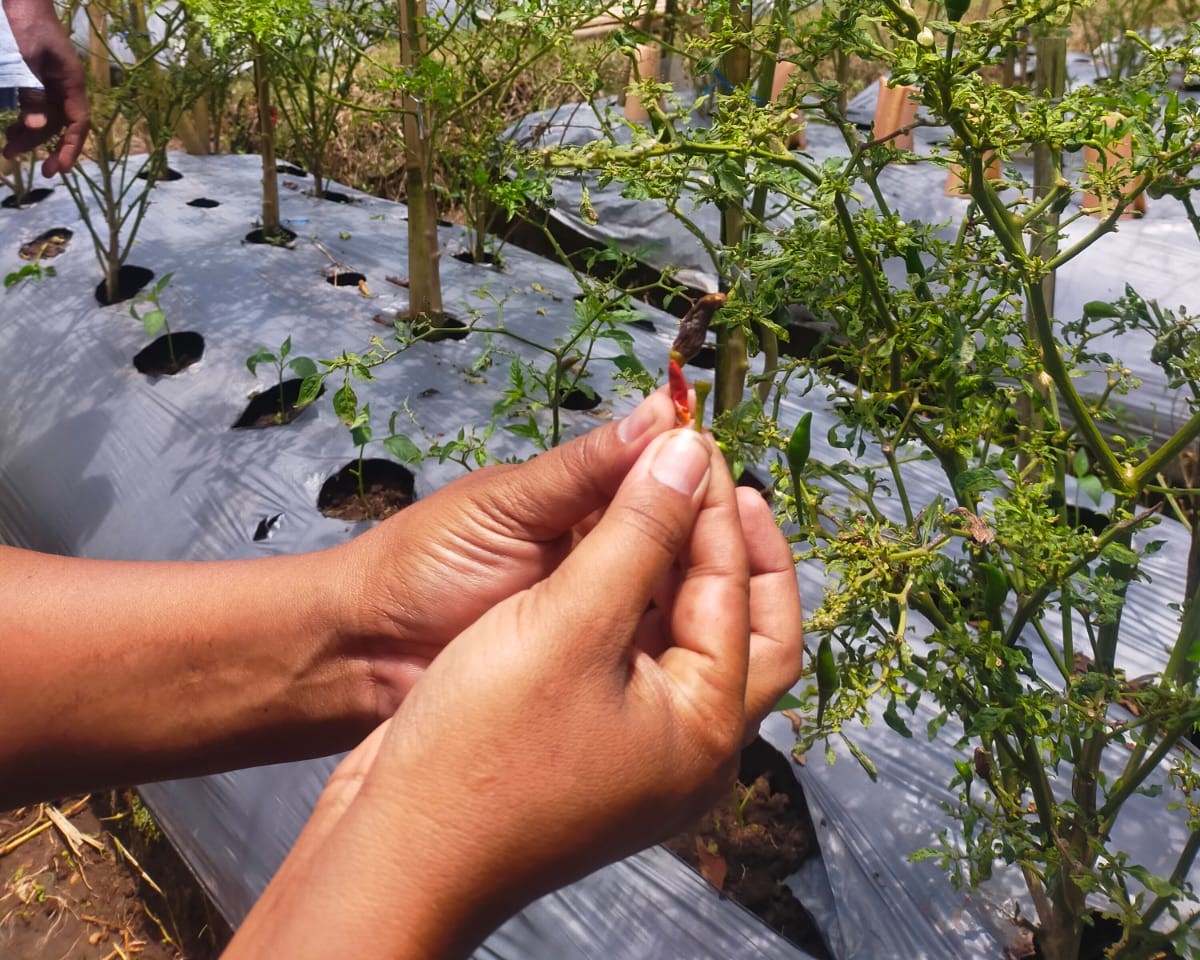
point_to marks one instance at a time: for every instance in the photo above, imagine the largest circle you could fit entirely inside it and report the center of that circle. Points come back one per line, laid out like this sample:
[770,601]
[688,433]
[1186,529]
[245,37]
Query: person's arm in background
[585,718]
[61,106]
[115,672]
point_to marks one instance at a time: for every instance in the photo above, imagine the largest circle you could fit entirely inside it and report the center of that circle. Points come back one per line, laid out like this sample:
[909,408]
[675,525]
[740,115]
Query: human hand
[61,106]
[579,720]
[421,578]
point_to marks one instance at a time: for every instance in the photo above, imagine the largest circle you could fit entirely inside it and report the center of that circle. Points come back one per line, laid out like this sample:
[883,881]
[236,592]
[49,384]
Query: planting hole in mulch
[442,327]
[204,203]
[167,175]
[643,323]
[281,238]
[487,260]
[755,838]
[155,360]
[334,197]
[579,399]
[387,488]
[46,245]
[266,527]
[290,169]
[130,282]
[13,202]
[706,359]
[267,409]
[345,278]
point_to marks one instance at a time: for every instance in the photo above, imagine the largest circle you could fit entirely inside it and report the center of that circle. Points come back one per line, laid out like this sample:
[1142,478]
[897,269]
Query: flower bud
[925,37]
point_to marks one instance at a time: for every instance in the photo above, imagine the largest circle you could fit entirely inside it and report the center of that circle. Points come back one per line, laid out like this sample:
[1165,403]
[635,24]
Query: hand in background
[429,573]
[61,107]
[576,722]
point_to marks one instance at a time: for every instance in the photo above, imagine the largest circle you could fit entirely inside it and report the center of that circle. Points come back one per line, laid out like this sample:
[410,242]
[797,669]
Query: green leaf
[863,760]
[345,404]
[630,366]
[403,449]
[788,702]
[1093,486]
[309,390]
[975,481]
[153,320]
[893,719]
[1119,553]
[1081,462]
[360,435]
[1159,886]
[285,349]
[623,337]
[262,355]
[303,367]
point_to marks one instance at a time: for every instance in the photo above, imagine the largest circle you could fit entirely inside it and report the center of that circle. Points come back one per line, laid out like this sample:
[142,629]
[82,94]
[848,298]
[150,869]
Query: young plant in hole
[358,420]
[29,271]
[303,367]
[153,317]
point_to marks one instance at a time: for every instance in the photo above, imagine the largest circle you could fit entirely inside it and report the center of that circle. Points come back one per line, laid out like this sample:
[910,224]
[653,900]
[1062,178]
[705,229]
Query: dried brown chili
[693,329]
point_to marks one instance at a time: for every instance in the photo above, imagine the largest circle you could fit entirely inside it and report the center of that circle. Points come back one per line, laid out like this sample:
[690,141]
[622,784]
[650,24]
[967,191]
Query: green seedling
[149,311]
[358,420]
[303,367]
[30,271]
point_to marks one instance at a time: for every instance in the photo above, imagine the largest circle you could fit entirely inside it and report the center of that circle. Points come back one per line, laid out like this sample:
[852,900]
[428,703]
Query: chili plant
[282,360]
[149,311]
[258,27]
[358,421]
[315,74]
[990,598]
[112,192]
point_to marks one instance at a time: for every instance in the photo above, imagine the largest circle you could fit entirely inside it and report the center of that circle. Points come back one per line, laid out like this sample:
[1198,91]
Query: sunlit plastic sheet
[1158,255]
[96,460]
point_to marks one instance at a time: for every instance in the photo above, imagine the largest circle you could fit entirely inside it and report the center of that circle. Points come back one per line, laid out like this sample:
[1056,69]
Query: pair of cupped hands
[588,640]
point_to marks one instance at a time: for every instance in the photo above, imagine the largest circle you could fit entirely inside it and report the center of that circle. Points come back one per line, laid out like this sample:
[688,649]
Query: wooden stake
[895,113]
[647,69]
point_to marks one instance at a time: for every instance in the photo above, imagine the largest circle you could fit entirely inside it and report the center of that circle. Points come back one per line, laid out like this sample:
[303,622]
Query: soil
[387,488]
[119,892]
[753,839]
[46,245]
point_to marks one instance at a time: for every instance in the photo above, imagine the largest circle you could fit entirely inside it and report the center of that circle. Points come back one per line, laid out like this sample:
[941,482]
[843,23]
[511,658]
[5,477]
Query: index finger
[69,148]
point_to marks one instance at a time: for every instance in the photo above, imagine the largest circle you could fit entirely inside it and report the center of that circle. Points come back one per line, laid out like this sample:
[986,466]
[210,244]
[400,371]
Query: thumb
[610,577]
[556,490]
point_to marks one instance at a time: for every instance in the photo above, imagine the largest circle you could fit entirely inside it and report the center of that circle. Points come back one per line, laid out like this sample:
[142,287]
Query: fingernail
[682,462]
[637,423]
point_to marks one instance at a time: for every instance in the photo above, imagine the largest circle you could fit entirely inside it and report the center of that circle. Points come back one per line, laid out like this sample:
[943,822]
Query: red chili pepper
[678,386]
